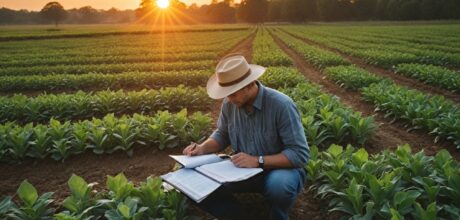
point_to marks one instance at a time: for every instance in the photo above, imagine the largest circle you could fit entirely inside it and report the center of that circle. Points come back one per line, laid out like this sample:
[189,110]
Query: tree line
[253,11]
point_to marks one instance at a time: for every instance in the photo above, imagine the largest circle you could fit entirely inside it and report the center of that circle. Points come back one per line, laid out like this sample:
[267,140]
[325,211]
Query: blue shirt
[274,126]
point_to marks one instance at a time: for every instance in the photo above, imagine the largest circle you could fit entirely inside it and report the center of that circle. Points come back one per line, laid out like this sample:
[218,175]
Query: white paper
[226,171]
[195,161]
[193,184]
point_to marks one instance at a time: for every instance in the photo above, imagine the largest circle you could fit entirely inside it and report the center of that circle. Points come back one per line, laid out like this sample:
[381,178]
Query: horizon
[37,5]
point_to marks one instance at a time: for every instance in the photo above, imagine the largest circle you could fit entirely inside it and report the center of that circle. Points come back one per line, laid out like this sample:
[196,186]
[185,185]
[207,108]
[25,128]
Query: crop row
[82,105]
[28,33]
[433,75]
[96,81]
[154,42]
[123,200]
[106,68]
[434,38]
[266,52]
[380,52]
[421,111]
[110,59]
[352,77]
[439,116]
[318,57]
[59,140]
[387,185]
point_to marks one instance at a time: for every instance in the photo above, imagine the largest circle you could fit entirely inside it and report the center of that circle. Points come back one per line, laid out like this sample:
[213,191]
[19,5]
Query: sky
[36,5]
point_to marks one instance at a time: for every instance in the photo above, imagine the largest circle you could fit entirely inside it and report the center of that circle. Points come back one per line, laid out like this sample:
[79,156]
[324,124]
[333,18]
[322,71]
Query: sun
[163,4]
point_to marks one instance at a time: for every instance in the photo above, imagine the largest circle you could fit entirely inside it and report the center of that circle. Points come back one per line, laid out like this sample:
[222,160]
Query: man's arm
[208,147]
[270,161]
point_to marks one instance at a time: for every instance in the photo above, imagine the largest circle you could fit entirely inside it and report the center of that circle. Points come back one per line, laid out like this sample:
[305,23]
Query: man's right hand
[193,149]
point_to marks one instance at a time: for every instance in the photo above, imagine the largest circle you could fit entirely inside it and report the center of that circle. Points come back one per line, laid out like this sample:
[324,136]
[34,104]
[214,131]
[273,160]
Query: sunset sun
[163,4]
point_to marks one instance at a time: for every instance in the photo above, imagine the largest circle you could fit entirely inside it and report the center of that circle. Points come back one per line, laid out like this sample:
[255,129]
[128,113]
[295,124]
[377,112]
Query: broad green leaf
[27,193]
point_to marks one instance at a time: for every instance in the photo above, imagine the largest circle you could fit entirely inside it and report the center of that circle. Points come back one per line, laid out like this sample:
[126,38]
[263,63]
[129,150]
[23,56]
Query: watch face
[261,159]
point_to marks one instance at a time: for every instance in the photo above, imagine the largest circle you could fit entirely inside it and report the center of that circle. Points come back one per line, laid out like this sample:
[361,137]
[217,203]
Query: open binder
[202,175]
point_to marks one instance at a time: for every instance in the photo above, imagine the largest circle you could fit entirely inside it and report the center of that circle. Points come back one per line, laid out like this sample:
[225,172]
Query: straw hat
[232,73]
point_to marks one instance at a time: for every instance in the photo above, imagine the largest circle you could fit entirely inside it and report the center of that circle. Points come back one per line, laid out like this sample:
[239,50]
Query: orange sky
[36,5]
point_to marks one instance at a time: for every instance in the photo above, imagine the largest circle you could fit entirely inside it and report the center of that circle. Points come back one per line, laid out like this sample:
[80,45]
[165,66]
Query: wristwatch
[261,162]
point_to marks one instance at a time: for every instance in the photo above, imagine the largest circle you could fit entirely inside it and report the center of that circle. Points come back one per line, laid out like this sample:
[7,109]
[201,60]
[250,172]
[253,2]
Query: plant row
[381,53]
[122,200]
[266,52]
[387,185]
[441,117]
[97,81]
[435,114]
[352,77]
[106,68]
[110,59]
[83,105]
[316,56]
[59,140]
[149,44]
[433,75]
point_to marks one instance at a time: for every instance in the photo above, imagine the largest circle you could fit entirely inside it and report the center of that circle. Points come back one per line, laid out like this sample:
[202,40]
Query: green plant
[33,207]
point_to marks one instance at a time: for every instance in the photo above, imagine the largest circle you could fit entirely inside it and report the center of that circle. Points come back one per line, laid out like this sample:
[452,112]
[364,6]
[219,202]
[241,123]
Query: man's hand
[193,149]
[245,160]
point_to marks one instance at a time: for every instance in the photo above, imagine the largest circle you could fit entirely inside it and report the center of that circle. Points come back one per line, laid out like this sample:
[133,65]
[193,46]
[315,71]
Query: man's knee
[283,185]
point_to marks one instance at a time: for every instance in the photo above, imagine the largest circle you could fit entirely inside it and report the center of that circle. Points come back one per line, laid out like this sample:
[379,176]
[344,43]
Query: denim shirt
[274,126]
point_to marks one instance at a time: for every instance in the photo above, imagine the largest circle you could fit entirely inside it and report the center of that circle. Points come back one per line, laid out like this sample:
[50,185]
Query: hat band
[237,80]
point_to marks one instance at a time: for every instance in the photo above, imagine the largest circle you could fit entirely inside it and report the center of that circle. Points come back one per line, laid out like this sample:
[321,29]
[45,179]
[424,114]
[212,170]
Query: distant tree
[54,11]
[274,10]
[295,10]
[89,15]
[221,12]
[144,13]
[364,9]
[253,11]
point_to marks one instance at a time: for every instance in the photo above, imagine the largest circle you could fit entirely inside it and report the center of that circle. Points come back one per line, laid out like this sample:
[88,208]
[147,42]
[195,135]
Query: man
[263,127]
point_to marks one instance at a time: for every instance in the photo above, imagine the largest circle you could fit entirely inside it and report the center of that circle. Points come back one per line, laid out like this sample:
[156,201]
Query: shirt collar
[258,102]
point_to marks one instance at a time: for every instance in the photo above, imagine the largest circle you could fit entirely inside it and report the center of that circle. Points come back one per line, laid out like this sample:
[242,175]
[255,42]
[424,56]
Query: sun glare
[163,4]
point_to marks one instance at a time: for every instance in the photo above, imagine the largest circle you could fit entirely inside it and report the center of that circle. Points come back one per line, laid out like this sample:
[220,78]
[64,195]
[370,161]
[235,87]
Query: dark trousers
[279,187]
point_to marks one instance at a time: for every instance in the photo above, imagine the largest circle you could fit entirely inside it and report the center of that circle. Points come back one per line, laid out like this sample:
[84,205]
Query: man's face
[240,97]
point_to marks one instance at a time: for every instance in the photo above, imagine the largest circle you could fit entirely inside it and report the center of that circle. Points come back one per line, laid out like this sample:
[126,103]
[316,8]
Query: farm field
[379,103]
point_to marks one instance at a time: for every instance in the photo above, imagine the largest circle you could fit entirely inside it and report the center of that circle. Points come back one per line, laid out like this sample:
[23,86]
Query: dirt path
[397,78]
[388,135]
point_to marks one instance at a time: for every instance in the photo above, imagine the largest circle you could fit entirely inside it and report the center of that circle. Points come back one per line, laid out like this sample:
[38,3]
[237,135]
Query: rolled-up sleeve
[292,135]
[221,133]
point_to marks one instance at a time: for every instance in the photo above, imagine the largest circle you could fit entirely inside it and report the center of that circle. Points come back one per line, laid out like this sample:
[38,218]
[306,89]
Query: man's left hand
[245,160]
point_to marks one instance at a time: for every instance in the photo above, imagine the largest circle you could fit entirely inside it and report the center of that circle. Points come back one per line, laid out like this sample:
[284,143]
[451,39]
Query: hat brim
[216,91]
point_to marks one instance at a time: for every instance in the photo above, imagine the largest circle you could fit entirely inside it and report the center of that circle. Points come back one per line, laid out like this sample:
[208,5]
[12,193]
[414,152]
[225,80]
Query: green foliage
[433,113]
[266,52]
[326,120]
[106,135]
[433,75]
[33,207]
[98,81]
[318,57]
[352,77]
[387,185]
[124,201]
[86,105]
